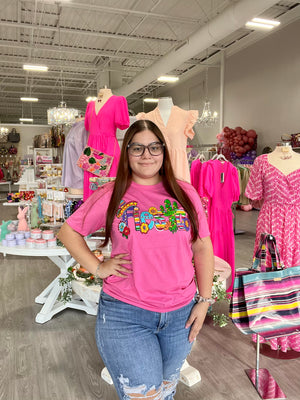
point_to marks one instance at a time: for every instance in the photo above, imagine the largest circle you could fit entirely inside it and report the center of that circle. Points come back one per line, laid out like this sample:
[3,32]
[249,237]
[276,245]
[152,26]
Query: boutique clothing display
[176,132]
[102,128]
[76,139]
[280,212]
[280,216]
[218,182]
[147,216]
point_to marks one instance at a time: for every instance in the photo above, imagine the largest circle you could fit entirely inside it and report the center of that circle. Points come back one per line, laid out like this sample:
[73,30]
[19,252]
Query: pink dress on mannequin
[102,128]
[176,132]
[219,182]
[280,216]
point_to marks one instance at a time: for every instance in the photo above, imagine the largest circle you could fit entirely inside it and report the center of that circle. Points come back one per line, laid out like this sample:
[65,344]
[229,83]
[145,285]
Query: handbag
[14,136]
[237,307]
[95,162]
[270,299]
[3,135]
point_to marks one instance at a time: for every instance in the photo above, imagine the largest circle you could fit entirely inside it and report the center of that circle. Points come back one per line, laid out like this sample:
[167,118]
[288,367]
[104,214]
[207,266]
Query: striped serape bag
[270,298]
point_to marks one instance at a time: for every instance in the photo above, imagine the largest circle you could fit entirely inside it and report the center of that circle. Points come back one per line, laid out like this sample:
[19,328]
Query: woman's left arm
[204,269]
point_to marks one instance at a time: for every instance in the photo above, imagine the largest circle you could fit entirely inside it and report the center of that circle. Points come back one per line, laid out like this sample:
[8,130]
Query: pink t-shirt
[155,231]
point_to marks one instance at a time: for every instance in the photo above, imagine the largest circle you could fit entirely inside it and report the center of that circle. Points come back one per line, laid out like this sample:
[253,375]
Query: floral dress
[280,216]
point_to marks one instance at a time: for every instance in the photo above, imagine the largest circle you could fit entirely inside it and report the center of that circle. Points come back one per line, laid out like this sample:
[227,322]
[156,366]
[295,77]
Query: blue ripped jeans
[142,350]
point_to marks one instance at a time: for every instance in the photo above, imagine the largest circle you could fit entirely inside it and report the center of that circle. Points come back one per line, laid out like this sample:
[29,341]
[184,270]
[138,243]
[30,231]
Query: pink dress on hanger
[102,127]
[280,216]
[176,132]
[219,182]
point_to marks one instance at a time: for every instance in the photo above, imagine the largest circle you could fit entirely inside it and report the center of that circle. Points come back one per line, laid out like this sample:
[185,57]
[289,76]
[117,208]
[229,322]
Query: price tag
[222,177]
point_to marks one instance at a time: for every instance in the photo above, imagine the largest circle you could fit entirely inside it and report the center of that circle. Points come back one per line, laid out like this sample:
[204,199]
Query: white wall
[27,133]
[262,89]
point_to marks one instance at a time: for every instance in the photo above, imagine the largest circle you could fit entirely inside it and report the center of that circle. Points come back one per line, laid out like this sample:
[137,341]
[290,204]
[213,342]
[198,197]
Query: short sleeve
[195,174]
[141,115]
[122,114]
[235,185]
[206,184]
[192,118]
[195,199]
[254,189]
[87,117]
[91,215]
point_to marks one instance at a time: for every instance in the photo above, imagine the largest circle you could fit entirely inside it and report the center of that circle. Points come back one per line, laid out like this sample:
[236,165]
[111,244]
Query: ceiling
[88,43]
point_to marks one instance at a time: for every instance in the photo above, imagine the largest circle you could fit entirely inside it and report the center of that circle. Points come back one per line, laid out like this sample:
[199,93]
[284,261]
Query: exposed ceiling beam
[78,50]
[231,19]
[115,10]
[98,34]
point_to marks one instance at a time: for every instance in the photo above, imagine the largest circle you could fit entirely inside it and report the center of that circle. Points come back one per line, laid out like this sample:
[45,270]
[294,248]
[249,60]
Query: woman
[148,313]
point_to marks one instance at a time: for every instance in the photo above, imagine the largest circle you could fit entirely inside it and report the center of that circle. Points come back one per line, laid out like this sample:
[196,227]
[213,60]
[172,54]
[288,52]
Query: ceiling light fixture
[90,98]
[207,118]
[150,100]
[38,68]
[32,99]
[262,23]
[168,78]
[266,21]
[26,119]
[61,115]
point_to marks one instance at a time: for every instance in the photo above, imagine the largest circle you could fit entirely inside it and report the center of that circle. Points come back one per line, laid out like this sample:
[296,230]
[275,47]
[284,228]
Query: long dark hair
[124,178]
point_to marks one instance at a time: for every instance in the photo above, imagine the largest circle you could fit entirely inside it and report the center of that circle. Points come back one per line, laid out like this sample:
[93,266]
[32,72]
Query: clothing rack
[263,381]
[204,149]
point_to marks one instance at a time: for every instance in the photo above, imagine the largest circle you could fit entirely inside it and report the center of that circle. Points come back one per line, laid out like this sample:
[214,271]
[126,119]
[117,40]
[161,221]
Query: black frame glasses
[151,149]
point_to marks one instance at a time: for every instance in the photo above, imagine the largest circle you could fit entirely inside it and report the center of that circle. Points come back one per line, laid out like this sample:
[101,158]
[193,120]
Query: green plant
[219,294]
[76,273]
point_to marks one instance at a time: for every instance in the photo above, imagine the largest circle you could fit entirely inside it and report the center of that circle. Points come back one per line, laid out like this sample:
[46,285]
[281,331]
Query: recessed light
[26,119]
[266,21]
[40,68]
[90,98]
[33,99]
[150,100]
[168,78]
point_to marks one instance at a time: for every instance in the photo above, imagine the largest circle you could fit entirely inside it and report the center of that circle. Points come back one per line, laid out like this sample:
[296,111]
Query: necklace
[286,156]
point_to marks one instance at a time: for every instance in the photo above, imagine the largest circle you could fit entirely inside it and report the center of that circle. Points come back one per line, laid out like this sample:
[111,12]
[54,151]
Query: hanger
[219,157]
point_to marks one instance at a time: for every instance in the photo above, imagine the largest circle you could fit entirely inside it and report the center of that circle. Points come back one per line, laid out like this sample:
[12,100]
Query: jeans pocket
[106,297]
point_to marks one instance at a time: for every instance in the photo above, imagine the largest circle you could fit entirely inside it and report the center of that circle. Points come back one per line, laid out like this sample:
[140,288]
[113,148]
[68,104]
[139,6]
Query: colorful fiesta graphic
[168,217]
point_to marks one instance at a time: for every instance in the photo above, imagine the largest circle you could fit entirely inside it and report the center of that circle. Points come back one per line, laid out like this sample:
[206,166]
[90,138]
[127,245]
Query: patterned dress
[280,216]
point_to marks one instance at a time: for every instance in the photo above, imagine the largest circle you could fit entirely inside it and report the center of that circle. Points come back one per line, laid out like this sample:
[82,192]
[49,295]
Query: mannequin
[102,119]
[284,158]
[275,179]
[165,105]
[176,125]
[103,95]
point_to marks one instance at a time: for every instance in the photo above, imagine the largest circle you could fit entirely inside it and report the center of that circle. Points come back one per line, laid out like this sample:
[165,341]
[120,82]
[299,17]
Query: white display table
[49,296]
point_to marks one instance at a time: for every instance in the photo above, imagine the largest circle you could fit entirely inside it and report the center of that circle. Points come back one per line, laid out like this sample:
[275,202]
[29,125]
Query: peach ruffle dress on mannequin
[176,132]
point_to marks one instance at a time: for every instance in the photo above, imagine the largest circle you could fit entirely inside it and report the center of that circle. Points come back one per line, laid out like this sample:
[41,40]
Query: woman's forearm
[204,265]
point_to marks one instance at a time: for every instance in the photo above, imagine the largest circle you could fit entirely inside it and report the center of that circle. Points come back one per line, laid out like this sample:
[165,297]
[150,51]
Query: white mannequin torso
[165,105]
[284,159]
[103,95]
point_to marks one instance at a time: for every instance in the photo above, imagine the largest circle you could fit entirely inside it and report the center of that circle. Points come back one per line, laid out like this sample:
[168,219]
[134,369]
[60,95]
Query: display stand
[50,295]
[263,381]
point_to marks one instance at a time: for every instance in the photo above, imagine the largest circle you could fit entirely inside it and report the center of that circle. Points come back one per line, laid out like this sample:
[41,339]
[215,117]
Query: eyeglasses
[137,150]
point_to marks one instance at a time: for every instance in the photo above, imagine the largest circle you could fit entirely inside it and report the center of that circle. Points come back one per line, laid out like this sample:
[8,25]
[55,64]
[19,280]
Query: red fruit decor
[238,142]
